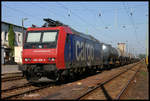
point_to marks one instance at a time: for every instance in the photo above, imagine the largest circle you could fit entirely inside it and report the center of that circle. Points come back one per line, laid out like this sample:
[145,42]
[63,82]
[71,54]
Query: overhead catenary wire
[62,16]
[92,26]
[71,14]
[22,12]
[31,15]
[132,22]
[100,16]
[14,9]
[123,26]
[75,14]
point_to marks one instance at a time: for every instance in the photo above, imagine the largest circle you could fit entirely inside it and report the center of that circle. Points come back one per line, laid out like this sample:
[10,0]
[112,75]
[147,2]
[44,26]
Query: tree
[142,56]
[11,40]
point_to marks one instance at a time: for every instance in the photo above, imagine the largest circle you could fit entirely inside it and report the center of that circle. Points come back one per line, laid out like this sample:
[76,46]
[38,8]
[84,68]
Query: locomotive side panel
[79,56]
[82,52]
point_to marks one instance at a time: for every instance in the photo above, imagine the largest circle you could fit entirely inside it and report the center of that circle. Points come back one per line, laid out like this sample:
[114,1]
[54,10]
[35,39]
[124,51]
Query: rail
[103,83]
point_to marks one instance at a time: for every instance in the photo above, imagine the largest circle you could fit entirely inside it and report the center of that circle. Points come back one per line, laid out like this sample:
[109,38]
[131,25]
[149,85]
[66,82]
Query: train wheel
[32,77]
[71,75]
[109,67]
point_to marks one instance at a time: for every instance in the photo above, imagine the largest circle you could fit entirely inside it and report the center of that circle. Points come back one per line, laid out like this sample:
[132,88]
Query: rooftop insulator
[99,14]
[34,26]
[124,26]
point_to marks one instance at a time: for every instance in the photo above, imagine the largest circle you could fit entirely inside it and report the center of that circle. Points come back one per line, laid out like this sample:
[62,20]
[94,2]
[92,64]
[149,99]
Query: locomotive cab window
[46,39]
[33,37]
[49,36]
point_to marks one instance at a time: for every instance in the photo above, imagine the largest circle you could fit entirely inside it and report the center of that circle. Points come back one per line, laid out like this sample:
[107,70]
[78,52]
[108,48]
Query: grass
[143,73]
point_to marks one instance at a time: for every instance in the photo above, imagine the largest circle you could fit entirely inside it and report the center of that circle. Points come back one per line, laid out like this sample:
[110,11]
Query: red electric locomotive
[52,51]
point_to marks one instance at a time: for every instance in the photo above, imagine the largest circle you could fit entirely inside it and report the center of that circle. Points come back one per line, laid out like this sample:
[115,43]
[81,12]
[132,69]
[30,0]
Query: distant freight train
[57,51]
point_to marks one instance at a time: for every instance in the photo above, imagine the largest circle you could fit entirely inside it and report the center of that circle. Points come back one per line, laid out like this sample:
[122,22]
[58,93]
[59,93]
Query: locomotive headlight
[53,59]
[26,59]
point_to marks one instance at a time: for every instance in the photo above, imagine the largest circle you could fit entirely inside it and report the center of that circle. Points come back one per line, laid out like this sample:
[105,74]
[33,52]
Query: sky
[109,22]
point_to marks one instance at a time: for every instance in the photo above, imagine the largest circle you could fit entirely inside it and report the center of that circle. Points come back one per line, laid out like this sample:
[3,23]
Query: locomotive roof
[52,23]
[83,35]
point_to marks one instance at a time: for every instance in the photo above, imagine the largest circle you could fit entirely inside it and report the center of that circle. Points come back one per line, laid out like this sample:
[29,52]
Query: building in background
[122,48]
[18,30]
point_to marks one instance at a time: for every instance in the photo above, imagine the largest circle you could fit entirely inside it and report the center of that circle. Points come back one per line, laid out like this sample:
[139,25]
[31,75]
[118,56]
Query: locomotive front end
[39,54]
[40,47]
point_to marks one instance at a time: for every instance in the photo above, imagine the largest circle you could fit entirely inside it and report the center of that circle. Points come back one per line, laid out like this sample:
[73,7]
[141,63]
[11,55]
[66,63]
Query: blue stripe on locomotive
[81,52]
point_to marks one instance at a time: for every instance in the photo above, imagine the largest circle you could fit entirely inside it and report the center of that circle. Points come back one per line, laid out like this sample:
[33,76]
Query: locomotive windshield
[36,36]
[49,36]
[33,37]
[46,39]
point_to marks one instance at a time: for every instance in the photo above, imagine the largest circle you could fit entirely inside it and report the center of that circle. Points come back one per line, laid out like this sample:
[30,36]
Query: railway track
[13,73]
[24,87]
[80,90]
[15,87]
[123,90]
[11,76]
[21,90]
[17,92]
[101,85]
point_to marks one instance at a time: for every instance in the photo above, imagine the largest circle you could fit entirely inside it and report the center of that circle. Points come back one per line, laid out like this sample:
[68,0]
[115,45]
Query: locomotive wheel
[58,76]
[62,78]
[55,76]
[32,77]
[71,75]
[32,74]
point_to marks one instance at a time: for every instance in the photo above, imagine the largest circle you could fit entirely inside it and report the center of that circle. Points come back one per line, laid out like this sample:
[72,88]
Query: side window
[68,41]
[67,38]
[6,36]
[19,38]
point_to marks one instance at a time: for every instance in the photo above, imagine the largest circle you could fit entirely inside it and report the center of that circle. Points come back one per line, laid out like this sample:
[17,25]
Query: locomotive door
[68,50]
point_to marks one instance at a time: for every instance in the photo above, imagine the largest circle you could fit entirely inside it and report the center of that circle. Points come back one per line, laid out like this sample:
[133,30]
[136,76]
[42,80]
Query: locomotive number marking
[84,51]
[38,59]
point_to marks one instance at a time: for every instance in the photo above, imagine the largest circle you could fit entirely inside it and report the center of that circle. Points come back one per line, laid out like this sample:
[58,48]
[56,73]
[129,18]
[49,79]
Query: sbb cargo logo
[84,51]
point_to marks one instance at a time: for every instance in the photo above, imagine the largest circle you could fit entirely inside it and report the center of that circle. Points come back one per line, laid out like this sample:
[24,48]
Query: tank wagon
[57,51]
[110,56]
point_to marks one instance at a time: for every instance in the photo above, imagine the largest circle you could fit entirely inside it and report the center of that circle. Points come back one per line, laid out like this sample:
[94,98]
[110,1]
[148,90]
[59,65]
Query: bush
[11,40]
